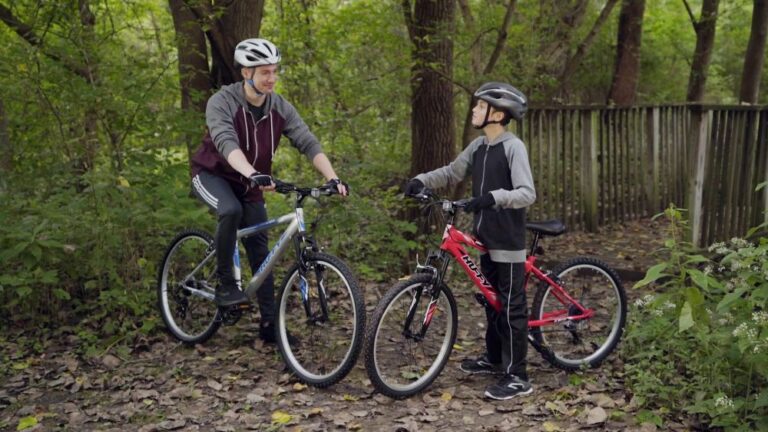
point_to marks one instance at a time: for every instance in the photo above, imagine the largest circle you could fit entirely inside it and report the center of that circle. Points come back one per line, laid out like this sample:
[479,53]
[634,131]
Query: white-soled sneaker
[508,387]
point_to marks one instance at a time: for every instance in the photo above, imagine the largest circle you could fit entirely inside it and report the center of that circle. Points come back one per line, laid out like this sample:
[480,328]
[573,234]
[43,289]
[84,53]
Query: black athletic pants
[506,337]
[234,212]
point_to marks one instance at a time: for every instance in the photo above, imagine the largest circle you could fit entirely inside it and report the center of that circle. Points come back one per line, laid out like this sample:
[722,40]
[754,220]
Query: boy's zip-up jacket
[231,125]
[500,168]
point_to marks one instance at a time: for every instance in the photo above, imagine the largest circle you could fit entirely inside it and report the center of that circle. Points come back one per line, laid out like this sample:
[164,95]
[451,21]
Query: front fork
[305,244]
[434,293]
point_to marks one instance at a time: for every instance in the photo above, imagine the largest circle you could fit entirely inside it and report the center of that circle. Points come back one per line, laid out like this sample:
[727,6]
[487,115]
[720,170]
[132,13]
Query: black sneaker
[480,365]
[508,387]
[230,296]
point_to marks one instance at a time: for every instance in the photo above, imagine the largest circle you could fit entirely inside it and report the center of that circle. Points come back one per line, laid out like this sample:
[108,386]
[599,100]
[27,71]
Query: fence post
[589,168]
[651,151]
[699,150]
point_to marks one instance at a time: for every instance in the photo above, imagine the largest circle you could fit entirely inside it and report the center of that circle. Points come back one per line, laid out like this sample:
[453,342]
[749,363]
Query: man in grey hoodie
[232,167]
[502,187]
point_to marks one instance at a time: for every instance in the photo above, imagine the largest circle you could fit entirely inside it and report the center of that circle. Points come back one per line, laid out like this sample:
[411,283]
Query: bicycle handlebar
[315,192]
[431,198]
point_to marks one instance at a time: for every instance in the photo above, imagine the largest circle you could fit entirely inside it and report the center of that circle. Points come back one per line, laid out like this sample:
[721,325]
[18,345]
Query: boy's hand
[480,203]
[413,187]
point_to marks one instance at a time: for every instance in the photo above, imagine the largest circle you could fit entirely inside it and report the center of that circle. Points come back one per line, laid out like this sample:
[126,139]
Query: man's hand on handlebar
[339,186]
[262,181]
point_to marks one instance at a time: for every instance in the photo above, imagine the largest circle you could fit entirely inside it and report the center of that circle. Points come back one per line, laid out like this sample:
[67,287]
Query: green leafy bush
[699,343]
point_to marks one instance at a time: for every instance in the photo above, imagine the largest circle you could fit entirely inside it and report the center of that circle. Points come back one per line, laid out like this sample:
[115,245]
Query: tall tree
[627,70]
[556,25]
[6,151]
[573,62]
[705,28]
[755,55]
[430,27]
[226,22]
[194,75]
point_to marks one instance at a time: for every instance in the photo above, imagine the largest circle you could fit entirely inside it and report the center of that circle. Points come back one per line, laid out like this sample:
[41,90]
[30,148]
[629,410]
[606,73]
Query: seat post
[535,242]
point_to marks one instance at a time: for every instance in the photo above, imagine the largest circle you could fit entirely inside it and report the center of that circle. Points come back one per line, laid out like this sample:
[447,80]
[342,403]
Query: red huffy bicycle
[576,320]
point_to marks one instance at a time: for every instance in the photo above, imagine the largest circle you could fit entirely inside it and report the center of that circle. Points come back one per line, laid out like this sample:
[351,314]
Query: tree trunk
[227,22]
[572,64]
[193,58]
[90,141]
[431,26]
[755,55]
[6,151]
[705,40]
[627,71]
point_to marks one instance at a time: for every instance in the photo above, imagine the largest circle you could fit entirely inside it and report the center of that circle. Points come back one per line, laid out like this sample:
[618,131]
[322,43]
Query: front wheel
[401,357]
[320,320]
[186,288]
[586,342]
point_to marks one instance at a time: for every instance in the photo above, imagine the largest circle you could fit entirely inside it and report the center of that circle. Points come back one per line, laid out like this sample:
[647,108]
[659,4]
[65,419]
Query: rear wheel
[186,288]
[585,342]
[320,344]
[400,361]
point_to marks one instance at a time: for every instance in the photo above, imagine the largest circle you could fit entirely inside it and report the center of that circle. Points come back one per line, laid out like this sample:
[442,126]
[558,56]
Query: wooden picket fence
[601,165]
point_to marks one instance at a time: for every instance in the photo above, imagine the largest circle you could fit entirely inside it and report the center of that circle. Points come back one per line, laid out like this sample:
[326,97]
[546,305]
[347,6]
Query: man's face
[478,113]
[264,77]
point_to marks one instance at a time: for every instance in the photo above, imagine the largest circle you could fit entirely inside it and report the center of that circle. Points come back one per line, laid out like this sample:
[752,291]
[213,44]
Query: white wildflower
[669,305]
[708,270]
[760,318]
[740,330]
[657,312]
[739,242]
[724,401]
[722,250]
[717,245]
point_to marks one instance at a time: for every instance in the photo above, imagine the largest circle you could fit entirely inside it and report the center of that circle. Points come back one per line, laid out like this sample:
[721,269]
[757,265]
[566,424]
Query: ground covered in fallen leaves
[234,382]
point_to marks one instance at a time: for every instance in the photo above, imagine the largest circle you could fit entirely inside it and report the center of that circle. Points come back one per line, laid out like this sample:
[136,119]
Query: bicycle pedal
[482,300]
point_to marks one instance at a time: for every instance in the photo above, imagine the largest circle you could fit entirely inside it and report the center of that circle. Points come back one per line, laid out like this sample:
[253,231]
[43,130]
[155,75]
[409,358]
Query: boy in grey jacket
[502,187]
[232,167]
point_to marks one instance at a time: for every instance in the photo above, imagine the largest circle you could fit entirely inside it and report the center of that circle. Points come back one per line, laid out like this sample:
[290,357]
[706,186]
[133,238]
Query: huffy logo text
[474,268]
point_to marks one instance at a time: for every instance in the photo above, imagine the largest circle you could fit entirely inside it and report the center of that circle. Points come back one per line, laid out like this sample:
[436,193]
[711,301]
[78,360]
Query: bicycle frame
[454,242]
[295,230]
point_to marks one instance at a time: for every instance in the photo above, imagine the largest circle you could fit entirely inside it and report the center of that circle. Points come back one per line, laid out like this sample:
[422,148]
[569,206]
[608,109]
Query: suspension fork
[436,283]
[302,244]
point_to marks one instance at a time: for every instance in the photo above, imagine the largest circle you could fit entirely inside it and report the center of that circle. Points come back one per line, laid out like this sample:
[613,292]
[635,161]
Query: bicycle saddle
[550,228]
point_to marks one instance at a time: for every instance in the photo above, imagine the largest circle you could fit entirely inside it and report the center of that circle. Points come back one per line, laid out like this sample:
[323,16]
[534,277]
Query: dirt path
[233,383]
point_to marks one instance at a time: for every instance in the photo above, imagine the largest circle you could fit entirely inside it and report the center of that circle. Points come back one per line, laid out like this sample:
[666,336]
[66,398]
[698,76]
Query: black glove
[334,183]
[413,187]
[259,179]
[482,202]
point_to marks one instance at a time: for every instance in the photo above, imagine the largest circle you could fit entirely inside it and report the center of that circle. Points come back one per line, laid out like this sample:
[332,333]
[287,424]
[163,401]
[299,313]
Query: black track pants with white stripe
[506,337]
[234,212]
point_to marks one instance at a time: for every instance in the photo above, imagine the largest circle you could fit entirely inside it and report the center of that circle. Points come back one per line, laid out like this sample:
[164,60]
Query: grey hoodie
[500,168]
[231,125]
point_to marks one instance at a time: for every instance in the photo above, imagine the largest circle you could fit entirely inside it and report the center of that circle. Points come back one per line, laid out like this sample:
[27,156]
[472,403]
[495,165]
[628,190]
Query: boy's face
[478,113]
[264,77]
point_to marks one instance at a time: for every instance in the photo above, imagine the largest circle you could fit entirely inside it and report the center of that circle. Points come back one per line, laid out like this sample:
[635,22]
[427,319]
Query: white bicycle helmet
[256,52]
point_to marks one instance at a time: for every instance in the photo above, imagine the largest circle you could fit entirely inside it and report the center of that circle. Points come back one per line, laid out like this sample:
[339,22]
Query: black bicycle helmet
[504,97]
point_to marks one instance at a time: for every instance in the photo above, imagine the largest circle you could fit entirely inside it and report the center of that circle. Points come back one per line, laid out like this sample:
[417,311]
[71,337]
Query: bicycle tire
[588,342]
[338,341]
[190,318]
[390,354]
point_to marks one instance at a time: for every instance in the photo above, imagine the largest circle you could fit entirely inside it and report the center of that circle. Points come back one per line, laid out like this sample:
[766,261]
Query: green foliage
[699,345]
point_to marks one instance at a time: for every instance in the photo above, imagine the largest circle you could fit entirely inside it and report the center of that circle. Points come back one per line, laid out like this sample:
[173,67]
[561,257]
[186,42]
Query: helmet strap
[486,122]
[253,86]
